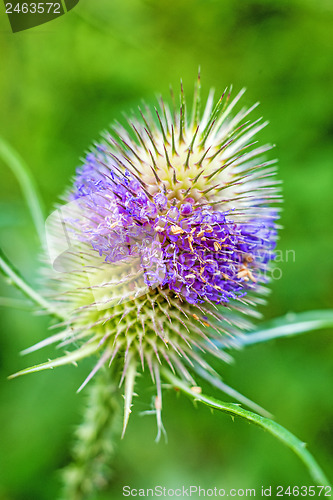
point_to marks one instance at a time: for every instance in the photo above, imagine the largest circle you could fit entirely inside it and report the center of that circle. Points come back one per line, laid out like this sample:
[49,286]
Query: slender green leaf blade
[235,410]
[289,325]
[71,357]
[14,161]
[15,303]
[14,278]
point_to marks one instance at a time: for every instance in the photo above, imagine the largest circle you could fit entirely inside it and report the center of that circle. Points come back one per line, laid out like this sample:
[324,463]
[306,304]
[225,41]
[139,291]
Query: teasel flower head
[163,247]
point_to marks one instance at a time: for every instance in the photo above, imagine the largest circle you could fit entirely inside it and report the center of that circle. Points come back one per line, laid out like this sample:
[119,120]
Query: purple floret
[197,252]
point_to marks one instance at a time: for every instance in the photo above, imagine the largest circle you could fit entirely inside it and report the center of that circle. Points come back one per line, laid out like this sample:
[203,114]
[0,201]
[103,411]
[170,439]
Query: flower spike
[164,245]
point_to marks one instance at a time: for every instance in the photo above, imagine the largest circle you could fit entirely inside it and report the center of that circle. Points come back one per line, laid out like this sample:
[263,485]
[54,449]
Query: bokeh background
[63,82]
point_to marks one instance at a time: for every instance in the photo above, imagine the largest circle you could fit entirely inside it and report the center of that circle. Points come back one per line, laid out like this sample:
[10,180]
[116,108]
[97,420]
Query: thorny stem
[297,446]
[90,469]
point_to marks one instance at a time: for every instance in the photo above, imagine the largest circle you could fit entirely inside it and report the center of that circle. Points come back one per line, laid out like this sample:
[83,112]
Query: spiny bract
[165,241]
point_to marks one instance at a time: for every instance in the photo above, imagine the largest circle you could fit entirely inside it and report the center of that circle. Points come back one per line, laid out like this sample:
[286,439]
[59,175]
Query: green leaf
[71,357]
[216,381]
[235,410]
[15,303]
[289,325]
[14,278]
[19,168]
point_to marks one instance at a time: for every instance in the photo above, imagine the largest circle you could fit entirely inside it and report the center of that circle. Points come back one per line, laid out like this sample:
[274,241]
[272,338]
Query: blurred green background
[63,82]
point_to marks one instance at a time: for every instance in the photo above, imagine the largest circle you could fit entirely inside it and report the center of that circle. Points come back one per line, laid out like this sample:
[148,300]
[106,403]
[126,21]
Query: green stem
[90,469]
[15,278]
[286,437]
[28,186]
